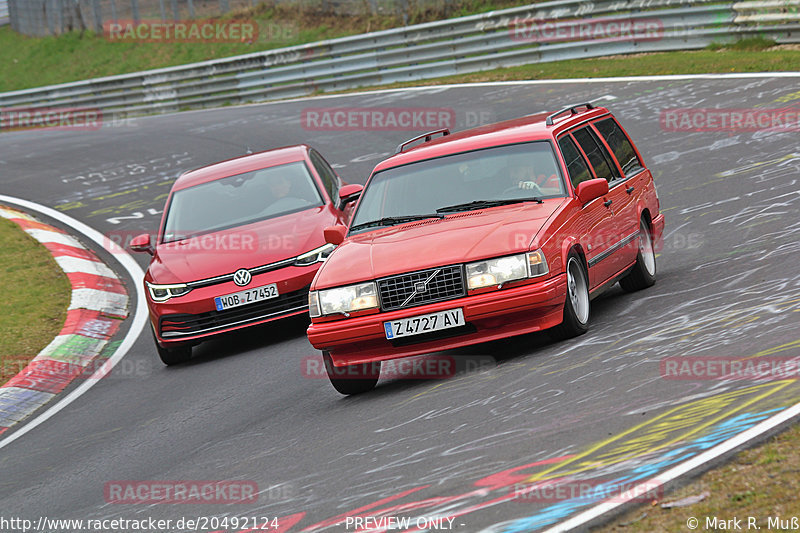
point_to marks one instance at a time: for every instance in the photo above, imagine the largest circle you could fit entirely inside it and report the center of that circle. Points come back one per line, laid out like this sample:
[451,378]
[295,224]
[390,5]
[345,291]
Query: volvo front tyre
[576,305]
[352,379]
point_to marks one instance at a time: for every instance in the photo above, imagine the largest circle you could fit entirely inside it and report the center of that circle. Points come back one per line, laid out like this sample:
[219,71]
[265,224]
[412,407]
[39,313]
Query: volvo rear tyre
[643,274]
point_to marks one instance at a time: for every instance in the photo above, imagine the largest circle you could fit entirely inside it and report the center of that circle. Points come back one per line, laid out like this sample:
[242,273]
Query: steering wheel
[515,191]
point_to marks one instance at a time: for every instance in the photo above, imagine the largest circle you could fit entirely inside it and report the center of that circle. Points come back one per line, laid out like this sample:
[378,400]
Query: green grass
[36,293]
[749,44]
[31,62]
[27,62]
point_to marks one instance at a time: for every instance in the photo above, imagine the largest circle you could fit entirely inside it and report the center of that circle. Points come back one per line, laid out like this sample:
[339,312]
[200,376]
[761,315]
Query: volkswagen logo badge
[242,277]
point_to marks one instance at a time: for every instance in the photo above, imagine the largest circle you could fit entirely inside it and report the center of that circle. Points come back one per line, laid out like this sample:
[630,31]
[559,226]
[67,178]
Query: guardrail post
[97,15]
[163,10]
[191,8]
[62,19]
[176,14]
[135,10]
[50,24]
[224,6]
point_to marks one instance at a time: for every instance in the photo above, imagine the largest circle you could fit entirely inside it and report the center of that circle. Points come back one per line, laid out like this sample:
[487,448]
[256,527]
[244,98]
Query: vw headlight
[343,300]
[162,293]
[317,255]
[501,270]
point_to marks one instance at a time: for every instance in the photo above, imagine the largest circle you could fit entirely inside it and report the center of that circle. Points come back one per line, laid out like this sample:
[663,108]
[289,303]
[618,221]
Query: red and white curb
[98,306]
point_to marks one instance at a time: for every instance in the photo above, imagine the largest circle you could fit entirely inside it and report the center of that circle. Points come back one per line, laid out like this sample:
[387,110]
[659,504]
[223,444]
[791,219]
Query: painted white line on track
[139,314]
[678,470]
[444,86]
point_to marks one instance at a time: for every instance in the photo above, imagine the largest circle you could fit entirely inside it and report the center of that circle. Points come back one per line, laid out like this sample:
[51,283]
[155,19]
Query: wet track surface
[592,408]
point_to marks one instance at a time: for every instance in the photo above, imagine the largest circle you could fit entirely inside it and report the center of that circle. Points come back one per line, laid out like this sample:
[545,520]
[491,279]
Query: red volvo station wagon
[239,243]
[500,230]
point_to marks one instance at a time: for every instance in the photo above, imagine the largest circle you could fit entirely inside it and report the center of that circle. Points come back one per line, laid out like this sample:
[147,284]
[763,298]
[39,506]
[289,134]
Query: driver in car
[523,178]
[282,199]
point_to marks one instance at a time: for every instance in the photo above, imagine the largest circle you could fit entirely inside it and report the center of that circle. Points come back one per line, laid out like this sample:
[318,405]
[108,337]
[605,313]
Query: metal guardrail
[3,12]
[510,37]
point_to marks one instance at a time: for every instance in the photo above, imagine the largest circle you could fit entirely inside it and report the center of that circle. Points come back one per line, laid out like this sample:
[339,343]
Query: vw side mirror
[141,243]
[349,193]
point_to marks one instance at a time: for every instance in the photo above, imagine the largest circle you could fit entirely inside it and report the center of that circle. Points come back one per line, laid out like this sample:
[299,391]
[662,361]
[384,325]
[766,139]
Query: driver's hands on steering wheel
[525,185]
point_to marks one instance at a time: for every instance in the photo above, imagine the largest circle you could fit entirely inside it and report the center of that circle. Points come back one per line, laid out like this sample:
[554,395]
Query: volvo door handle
[629,189]
[607,203]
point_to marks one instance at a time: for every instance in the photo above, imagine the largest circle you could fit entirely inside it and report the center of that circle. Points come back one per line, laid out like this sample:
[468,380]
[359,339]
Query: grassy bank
[32,62]
[36,293]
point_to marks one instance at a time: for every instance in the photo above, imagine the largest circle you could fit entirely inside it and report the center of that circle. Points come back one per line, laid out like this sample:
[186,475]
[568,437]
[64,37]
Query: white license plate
[256,294]
[417,325]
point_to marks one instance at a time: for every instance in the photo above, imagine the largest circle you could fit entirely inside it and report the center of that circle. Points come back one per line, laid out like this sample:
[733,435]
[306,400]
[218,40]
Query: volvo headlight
[501,270]
[343,300]
[162,293]
[317,255]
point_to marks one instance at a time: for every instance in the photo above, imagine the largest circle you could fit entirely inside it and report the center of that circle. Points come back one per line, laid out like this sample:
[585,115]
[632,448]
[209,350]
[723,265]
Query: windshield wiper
[480,204]
[391,221]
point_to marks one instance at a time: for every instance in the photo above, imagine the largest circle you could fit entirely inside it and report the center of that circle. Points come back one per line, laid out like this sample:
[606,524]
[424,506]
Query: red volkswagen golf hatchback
[239,243]
[501,230]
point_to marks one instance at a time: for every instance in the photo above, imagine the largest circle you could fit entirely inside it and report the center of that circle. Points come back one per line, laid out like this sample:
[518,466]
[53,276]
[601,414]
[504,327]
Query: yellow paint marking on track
[676,419]
[776,349]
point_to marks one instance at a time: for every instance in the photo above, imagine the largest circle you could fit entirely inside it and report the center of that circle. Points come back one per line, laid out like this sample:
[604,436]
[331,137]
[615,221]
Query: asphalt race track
[597,408]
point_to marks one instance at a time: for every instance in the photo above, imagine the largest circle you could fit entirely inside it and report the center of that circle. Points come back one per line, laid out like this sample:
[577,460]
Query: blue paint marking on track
[720,433]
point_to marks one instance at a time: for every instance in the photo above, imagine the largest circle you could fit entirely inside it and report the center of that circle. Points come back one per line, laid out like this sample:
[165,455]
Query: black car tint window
[620,145]
[325,172]
[597,154]
[577,168]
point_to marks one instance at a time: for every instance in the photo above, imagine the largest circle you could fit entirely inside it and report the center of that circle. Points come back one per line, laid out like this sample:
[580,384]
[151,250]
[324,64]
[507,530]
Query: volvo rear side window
[599,157]
[620,145]
[577,168]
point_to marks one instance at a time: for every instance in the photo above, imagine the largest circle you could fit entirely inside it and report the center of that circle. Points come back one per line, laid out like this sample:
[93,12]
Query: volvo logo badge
[242,277]
[420,287]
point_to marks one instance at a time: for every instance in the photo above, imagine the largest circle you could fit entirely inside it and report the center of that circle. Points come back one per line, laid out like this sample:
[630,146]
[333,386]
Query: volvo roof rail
[571,109]
[427,136]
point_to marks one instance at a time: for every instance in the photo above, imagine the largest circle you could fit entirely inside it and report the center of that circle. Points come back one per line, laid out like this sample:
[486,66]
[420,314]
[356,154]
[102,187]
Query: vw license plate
[416,325]
[256,294]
